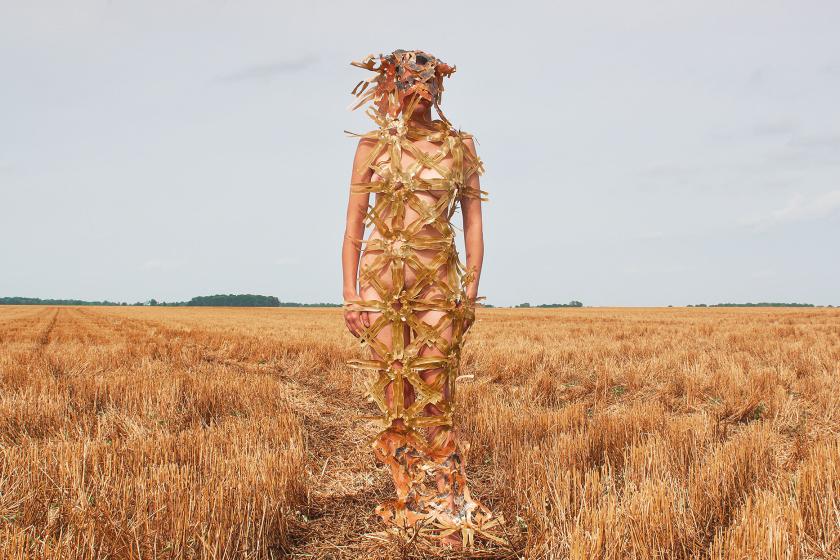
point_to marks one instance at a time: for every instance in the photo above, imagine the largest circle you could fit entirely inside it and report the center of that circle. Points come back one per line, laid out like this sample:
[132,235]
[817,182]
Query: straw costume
[410,266]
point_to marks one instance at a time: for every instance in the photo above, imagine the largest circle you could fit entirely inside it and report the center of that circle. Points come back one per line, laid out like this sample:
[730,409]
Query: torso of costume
[414,285]
[411,234]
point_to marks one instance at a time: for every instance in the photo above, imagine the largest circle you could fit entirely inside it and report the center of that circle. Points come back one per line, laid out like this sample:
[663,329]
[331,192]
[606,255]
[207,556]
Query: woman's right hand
[356,321]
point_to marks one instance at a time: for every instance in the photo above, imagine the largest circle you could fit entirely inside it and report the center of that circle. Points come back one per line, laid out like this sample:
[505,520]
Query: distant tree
[235,300]
[524,305]
[39,301]
[572,303]
[761,304]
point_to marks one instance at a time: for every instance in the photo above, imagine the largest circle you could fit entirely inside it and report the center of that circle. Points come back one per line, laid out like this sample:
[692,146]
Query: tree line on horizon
[762,304]
[253,300]
[219,300]
[572,303]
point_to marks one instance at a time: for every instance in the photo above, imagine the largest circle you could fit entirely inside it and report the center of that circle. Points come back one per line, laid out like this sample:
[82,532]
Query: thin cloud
[760,130]
[776,128]
[265,72]
[832,69]
[831,141]
[671,170]
[650,235]
[757,78]
[799,208]
[789,147]
[764,273]
[809,150]
[158,264]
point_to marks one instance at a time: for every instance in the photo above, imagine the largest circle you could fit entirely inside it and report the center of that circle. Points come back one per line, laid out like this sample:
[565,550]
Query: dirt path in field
[344,483]
[44,337]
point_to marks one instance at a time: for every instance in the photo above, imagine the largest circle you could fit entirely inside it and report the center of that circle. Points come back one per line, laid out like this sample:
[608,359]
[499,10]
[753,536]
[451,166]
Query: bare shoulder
[468,140]
[364,148]
[365,145]
[361,160]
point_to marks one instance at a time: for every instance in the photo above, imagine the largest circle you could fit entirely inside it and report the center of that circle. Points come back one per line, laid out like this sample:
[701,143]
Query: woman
[408,298]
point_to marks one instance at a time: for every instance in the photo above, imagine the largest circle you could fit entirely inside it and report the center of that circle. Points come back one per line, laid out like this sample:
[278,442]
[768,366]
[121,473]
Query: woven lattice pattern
[414,288]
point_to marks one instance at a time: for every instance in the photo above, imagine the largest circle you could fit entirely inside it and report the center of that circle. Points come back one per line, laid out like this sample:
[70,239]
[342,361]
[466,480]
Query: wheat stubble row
[600,433]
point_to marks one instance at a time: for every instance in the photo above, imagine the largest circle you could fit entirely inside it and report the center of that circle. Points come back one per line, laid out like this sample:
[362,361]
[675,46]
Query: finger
[366,318]
[350,319]
[357,325]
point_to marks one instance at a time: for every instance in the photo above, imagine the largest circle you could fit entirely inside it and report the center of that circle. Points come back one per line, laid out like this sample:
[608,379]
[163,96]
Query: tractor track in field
[44,336]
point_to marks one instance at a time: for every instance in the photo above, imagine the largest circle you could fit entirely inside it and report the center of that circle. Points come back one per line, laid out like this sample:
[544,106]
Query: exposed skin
[352,257]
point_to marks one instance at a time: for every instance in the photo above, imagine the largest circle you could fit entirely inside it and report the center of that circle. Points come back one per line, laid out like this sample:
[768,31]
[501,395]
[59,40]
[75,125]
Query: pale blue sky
[637,153]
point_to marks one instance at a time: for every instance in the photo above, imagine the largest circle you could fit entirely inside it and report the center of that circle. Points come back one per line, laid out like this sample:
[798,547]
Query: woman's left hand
[468,319]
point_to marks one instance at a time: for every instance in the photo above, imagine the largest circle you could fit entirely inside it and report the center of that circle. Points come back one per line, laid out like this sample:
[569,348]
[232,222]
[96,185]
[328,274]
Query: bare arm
[473,228]
[354,230]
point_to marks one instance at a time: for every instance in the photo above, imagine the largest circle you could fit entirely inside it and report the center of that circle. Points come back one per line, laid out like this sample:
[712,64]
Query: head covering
[399,76]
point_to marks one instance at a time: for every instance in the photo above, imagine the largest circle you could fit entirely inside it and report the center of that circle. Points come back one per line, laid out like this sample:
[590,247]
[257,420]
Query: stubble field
[598,433]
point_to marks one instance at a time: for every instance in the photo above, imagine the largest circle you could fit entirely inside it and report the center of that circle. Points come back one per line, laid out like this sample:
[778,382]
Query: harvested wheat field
[599,433]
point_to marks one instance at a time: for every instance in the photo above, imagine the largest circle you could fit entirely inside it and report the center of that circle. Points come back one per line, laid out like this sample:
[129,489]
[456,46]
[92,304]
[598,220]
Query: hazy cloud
[651,235]
[808,149]
[265,72]
[832,68]
[764,273]
[798,208]
[779,128]
[669,170]
[757,77]
[157,264]
[819,141]
[765,129]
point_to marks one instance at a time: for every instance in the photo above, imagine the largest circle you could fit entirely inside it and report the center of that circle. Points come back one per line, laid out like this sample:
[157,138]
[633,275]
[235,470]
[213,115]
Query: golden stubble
[601,433]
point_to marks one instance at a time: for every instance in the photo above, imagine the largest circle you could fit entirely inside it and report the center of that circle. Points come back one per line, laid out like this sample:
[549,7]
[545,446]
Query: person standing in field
[408,297]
